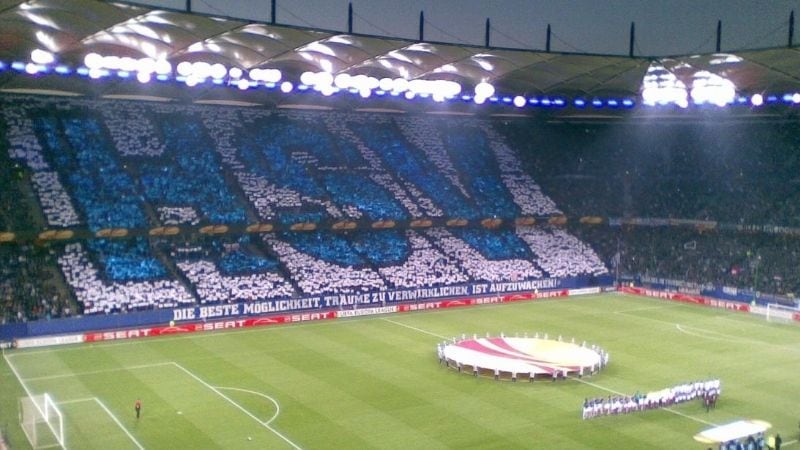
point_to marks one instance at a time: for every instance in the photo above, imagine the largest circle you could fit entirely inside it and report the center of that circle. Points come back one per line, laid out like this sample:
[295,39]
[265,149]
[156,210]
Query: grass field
[375,382]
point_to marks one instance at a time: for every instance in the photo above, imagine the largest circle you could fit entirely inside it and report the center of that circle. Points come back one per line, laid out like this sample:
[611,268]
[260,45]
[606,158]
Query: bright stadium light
[400,85]
[308,78]
[364,93]
[31,68]
[40,56]
[519,101]
[579,102]
[235,72]
[243,84]
[163,67]
[757,100]
[324,79]
[286,87]
[93,61]
[711,88]
[143,77]
[342,81]
[409,95]
[386,84]
[479,100]
[184,68]
[796,98]
[484,89]
[218,71]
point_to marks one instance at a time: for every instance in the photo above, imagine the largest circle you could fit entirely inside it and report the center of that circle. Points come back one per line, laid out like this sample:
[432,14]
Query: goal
[782,313]
[42,421]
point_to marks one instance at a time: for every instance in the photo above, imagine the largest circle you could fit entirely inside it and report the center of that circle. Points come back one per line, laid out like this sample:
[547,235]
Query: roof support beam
[632,40]
[421,26]
[488,32]
[273,8]
[791,28]
[188,6]
[547,42]
[350,18]
[719,35]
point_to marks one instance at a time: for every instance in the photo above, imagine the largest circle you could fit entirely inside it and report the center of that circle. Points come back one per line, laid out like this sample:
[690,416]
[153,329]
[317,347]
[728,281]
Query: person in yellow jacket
[771,442]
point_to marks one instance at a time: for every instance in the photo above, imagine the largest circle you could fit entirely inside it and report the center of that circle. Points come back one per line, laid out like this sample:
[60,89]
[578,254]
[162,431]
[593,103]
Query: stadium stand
[133,166]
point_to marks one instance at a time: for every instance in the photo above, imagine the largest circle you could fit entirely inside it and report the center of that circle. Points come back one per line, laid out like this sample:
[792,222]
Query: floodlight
[128,64]
[243,84]
[364,93]
[235,72]
[143,77]
[93,61]
[519,101]
[386,84]
[286,87]
[31,68]
[218,71]
[40,56]
[324,79]
[163,67]
[484,89]
[184,68]
[479,100]
[146,65]
[796,98]
[757,100]
[308,78]
[342,81]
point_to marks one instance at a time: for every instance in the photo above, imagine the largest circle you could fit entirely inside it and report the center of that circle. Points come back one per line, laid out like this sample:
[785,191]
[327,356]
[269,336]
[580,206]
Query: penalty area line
[238,406]
[260,394]
[114,418]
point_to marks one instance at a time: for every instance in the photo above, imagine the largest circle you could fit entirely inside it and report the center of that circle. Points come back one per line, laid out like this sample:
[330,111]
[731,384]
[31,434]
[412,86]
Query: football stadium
[219,232]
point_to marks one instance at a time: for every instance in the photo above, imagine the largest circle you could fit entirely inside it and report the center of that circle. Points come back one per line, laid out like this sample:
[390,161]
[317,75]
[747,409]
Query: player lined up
[708,391]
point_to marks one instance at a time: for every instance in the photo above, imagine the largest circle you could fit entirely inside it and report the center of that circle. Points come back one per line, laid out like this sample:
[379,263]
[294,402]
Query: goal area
[783,313]
[41,421]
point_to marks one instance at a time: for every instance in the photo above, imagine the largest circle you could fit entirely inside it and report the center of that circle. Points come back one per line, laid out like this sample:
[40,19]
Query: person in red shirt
[138,407]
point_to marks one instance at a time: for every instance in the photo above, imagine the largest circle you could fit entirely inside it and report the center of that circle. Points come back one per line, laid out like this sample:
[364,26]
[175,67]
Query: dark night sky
[596,26]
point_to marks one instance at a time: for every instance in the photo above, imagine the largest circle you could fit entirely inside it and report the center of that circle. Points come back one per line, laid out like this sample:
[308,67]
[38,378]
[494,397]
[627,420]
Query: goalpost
[42,421]
[782,313]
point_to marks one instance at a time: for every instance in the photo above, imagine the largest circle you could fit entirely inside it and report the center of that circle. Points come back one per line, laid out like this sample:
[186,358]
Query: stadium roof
[72,29]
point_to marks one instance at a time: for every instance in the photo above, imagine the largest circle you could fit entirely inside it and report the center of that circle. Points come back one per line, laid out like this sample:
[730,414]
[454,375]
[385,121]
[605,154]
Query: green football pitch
[375,382]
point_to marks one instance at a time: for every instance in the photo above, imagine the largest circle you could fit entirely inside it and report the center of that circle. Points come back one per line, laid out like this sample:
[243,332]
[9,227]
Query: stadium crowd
[107,164]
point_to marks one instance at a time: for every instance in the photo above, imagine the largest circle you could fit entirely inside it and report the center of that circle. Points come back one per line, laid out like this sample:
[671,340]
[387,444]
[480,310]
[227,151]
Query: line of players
[708,391]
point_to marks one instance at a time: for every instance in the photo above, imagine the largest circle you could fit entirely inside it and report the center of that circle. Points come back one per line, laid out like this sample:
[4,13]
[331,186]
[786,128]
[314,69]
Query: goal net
[782,313]
[42,421]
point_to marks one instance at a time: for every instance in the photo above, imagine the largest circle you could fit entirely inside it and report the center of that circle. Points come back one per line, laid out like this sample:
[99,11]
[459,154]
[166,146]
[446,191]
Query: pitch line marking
[696,419]
[77,400]
[260,394]
[238,406]
[416,329]
[114,418]
[94,372]
[28,391]
[645,308]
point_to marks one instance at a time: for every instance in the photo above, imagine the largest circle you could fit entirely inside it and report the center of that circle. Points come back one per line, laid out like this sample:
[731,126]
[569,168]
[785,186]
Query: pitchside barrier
[244,322]
[260,308]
